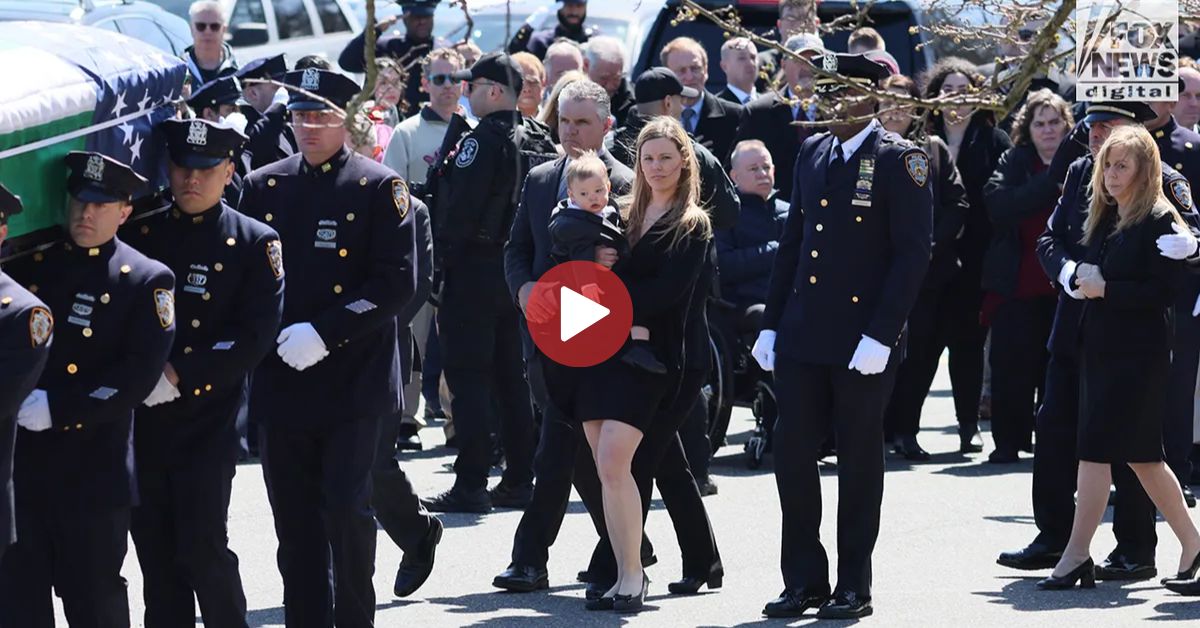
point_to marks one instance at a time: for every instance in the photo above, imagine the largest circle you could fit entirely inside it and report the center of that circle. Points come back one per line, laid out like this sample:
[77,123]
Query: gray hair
[206,5]
[565,46]
[746,146]
[604,48]
[585,90]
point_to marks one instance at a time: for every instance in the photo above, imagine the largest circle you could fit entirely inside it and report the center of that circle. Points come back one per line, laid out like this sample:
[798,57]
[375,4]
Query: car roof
[72,10]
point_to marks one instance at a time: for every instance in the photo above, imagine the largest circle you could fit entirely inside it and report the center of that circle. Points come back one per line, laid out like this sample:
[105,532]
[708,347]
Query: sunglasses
[441,79]
[212,26]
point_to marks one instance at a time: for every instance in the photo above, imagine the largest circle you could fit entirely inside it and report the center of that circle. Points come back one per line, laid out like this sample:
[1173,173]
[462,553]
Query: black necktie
[838,159]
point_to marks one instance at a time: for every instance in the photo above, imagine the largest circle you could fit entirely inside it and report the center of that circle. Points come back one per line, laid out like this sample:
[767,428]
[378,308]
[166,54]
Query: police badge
[400,196]
[94,169]
[164,305]
[197,134]
[275,257]
[917,164]
[829,63]
[466,154]
[1182,193]
[311,79]
[41,326]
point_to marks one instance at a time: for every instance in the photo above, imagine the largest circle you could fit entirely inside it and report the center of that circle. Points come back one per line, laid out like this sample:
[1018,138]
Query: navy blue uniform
[271,136]
[853,254]
[75,482]
[230,299]
[349,237]
[1054,465]
[26,326]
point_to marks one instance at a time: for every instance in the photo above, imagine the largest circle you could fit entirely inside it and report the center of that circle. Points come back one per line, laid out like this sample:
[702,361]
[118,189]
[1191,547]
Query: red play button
[579,314]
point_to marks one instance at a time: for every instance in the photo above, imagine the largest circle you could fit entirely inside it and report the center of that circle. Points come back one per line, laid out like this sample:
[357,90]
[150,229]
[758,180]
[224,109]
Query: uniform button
[79,426]
[820,227]
[94,251]
[854,299]
[33,287]
[1187,145]
[125,269]
[230,242]
[824,203]
[362,181]
[269,217]
[271,182]
[145,229]
[350,217]
[858,219]
[72,369]
[815,254]
[105,298]
[37,257]
[67,428]
[195,322]
[208,387]
[196,392]
[343,253]
[337,289]
[6,301]
[187,350]
[1179,166]
[87,332]
[812,279]
[207,296]
[218,267]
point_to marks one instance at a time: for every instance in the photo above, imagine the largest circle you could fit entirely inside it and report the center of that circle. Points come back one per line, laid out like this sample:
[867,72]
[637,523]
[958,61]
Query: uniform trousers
[181,534]
[1020,328]
[1055,467]
[1178,425]
[79,555]
[318,480]
[397,507]
[815,400]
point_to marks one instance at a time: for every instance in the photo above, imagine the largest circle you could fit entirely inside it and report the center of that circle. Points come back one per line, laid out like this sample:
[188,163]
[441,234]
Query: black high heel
[630,603]
[690,585]
[1084,574]
[604,603]
[1189,574]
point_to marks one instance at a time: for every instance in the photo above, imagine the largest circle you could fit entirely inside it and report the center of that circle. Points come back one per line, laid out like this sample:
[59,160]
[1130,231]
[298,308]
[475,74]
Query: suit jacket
[727,94]
[527,253]
[768,119]
[718,124]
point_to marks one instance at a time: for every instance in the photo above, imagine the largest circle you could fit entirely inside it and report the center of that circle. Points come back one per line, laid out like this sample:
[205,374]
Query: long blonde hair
[1148,198]
[684,217]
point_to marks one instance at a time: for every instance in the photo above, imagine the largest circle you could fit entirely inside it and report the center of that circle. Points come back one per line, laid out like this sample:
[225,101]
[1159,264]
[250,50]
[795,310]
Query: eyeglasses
[212,26]
[441,79]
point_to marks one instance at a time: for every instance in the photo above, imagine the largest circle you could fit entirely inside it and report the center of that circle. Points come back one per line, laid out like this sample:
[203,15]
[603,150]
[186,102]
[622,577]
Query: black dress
[660,280]
[1126,346]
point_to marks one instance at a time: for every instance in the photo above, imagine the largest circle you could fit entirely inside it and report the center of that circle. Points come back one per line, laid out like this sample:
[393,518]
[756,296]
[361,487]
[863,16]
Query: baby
[585,220]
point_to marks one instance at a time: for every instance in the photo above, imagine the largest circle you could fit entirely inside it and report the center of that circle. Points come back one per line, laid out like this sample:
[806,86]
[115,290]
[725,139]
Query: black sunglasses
[441,79]
[212,26]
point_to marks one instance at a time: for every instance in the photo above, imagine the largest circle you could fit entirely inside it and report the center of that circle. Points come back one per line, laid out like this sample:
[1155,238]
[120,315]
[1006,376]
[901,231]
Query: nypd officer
[74,472]
[408,50]
[230,299]
[269,136]
[216,99]
[477,321]
[1054,462]
[26,327]
[344,221]
[569,25]
[848,269]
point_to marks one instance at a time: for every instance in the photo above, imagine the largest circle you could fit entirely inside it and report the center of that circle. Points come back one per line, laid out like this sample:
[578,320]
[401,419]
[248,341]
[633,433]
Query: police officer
[850,263]
[569,26]
[230,301]
[74,472]
[269,136]
[408,50]
[477,321]
[345,223]
[1054,462]
[26,327]
[216,99]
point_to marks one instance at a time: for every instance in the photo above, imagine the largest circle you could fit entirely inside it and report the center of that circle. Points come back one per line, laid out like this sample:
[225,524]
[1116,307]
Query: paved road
[943,524]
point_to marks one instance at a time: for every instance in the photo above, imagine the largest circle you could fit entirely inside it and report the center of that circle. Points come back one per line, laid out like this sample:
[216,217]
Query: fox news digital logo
[1127,50]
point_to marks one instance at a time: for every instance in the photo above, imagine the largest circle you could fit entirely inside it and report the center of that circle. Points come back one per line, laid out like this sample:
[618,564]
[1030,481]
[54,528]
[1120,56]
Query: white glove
[764,349]
[34,414]
[281,96]
[870,358]
[1064,279]
[164,392]
[1179,245]
[300,346]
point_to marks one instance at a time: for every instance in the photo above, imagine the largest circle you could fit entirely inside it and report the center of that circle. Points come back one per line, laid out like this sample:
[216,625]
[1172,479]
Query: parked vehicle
[139,20]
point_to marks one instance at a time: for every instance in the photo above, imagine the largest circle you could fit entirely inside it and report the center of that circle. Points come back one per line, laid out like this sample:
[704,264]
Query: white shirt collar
[850,146]
[742,96]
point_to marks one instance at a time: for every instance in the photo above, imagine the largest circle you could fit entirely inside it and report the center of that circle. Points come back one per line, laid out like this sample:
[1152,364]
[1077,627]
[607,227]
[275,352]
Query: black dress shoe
[1004,456]
[690,585]
[648,560]
[1084,574]
[460,500]
[1184,587]
[504,496]
[793,603]
[970,441]
[416,565]
[846,605]
[411,442]
[707,487]
[1184,576]
[908,447]
[1035,556]
[522,579]
[1120,568]
[634,602]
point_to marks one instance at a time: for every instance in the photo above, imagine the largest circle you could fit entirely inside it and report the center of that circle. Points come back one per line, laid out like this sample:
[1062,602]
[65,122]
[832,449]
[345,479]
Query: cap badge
[829,63]
[197,134]
[311,79]
[95,168]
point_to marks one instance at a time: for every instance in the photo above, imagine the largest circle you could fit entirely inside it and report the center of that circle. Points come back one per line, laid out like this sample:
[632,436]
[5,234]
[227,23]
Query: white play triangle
[577,313]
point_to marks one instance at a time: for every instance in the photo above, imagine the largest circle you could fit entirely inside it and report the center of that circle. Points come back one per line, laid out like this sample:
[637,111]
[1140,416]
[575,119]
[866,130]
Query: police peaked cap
[200,143]
[97,178]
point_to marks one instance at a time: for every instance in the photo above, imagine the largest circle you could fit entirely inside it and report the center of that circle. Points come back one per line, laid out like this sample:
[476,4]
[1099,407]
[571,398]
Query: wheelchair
[735,379]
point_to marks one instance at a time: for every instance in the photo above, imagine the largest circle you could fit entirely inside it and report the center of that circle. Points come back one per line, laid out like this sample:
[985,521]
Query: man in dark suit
[739,61]
[769,118]
[711,120]
[846,275]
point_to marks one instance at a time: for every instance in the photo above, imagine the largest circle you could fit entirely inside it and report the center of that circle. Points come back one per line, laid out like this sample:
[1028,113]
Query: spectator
[769,118]
[382,111]
[796,17]
[316,62]
[746,252]
[926,321]
[711,121]
[417,139]
[562,56]
[209,57]
[549,115]
[739,61]
[976,145]
[1187,110]
[569,27]
[406,49]
[604,61]
[534,75]
[864,40]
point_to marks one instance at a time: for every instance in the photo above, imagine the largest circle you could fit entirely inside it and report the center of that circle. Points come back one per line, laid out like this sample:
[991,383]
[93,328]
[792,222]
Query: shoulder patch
[275,257]
[400,196]
[916,162]
[164,305]
[467,153]
[1182,192]
[41,326]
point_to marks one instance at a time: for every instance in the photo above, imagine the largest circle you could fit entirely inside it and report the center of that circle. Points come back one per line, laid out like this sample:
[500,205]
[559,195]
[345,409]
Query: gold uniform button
[350,217]
[94,251]
[1158,133]
[269,217]
[362,181]
[337,289]
[820,227]
[858,219]
[1179,166]
[1188,145]
[195,322]
[218,267]
[812,279]
[145,229]
[271,182]
[207,296]
[33,287]
[824,203]
[196,392]
[208,387]
[125,269]
[854,299]
[79,426]
[67,428]
[37,257]
[815,254]
[343,253]
[72,369]
[87,332]
[6,301]
[187,350]
[230,242]
[105,298]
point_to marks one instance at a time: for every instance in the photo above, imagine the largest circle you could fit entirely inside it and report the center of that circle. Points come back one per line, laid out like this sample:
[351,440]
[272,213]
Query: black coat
[1013,194]
[949,213]
[769,119]
[717,125]
[981,148]
[270,135]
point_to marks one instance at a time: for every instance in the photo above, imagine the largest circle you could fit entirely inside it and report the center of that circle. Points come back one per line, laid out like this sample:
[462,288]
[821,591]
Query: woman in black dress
[1126,349]
[668,235]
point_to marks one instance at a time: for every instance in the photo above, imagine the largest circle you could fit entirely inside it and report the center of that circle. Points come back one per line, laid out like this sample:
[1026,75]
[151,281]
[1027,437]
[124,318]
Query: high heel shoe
[630,603]
[1189,574]
[690,585]
[603,603]
[1084,574]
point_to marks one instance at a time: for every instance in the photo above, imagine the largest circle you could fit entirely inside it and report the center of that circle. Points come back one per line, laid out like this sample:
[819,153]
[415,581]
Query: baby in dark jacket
[585,220]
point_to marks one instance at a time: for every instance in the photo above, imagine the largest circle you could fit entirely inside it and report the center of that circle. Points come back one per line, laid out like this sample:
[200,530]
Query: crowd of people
[299,290]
